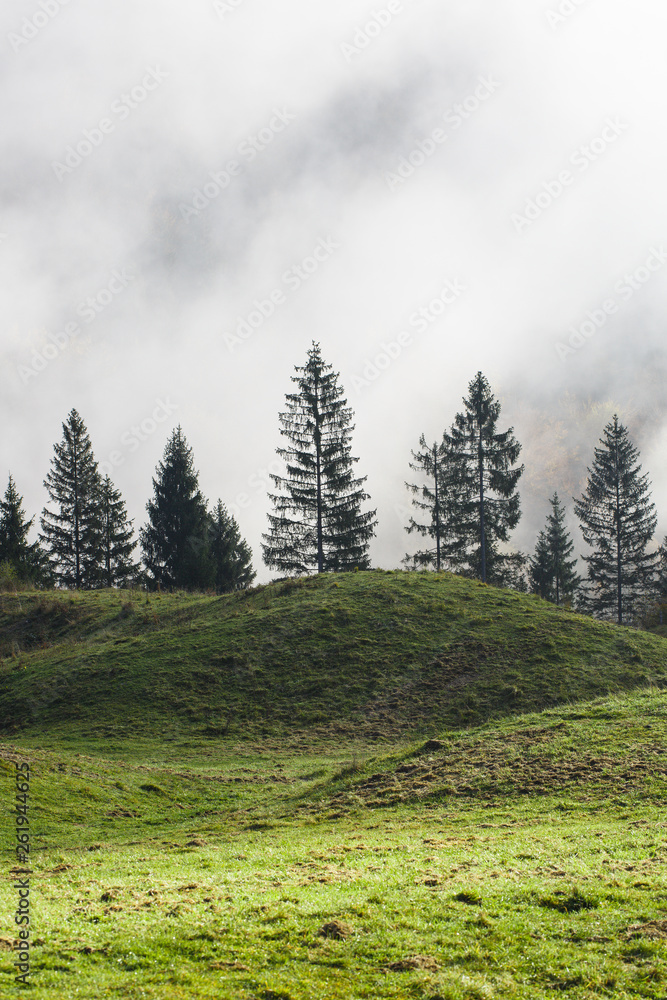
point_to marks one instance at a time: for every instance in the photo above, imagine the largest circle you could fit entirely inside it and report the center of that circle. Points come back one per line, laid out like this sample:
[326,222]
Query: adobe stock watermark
[625,288]
[88,309]
[132,438]
[259,483]
[453,118]
[32,25]
[581,159]
[366,33]
[225,7]
[419,322]
[292,279]
[22,886]
[247,150]
[565,9]
[121,109]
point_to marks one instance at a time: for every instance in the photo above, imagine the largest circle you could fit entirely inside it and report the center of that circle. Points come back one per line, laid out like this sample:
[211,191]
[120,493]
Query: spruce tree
[318,523]
[565,577]
[230,553]
[117,547]
[435,497]
[175,540]
[512,571]
[618,521]
[553,573]
[662,581]
[662,571]
[485,478]
[26,559]
[72,534]
[539,568]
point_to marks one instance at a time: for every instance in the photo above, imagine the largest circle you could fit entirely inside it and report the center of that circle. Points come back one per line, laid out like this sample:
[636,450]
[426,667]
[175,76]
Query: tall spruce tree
[435,497]
[230,553]
[318,522]
[552,572]
[618,521]
[485,474]
[117,546]
[175,540]
[27,561]
[72,534]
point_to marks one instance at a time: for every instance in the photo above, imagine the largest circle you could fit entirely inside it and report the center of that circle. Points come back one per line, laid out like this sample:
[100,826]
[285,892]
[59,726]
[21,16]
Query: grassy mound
[203,869]
[610,749]
[378,654]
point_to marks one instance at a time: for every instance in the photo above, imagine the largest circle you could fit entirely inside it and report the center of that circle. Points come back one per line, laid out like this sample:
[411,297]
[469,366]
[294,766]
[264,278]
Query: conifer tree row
[469,494]
[88,538]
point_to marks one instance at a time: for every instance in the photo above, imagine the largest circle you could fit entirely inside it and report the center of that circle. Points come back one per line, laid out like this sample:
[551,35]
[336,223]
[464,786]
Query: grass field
[409,830]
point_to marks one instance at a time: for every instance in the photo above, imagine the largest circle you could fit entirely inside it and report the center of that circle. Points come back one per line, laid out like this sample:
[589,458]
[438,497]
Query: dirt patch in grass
[414,962]
[569,902]
[654,930]
[335,929]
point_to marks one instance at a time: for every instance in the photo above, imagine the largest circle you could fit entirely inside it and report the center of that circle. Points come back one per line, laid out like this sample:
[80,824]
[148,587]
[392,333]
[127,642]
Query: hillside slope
[378,654]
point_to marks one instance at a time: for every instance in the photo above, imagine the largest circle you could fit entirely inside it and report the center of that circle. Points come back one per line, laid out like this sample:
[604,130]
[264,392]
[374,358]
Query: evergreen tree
[662,581]
[485,477]
[540,569]
[662,571]
[553,574]
[117,544]
[565,577]
[618,522]
[27,561]
[230,553]
[73,533]
[512,571]
[435,498]
[175,540]
[318,522]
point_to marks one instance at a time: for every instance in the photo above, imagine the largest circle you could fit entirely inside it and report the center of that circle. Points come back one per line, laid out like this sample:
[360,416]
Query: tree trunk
[318,454]
[437,509]
[482,532]
[618,541]
[77,540]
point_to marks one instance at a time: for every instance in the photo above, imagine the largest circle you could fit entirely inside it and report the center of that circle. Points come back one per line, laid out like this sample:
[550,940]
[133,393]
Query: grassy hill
[377,654]
[377,785]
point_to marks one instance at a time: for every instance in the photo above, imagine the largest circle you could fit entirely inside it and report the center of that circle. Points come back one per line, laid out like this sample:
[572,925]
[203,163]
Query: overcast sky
[192,193]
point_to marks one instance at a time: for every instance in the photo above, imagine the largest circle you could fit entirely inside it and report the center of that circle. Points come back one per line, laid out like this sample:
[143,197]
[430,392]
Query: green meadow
[363,785]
